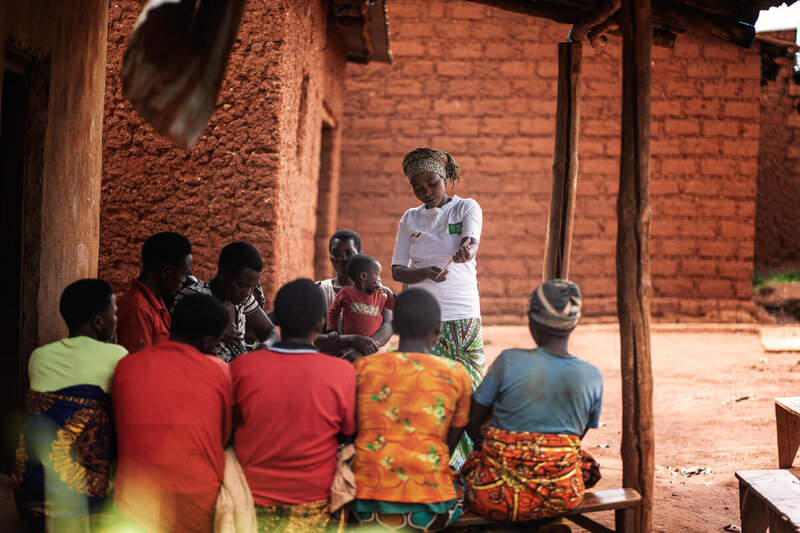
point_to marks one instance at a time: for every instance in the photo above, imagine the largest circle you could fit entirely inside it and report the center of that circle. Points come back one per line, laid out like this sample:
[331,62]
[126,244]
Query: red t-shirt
[291,401]
[142,318]
[173,414]
[362,314]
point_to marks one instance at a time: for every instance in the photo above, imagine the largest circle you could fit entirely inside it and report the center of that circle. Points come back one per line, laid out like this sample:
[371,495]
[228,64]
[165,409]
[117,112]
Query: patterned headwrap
[555,306]
[431,160]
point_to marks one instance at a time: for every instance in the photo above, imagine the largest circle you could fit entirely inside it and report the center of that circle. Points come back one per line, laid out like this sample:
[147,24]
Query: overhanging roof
[364,25]
[729,20]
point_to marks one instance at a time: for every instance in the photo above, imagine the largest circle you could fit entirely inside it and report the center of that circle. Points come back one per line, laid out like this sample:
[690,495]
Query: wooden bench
[769,498]
[622,501]
[787,422]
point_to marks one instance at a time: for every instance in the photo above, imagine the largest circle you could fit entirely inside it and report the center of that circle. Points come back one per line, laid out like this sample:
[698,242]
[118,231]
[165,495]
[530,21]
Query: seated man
[172,409]
[542,402]
[412,410]
[67,437]
[291,404]
[143,318]
[238,274]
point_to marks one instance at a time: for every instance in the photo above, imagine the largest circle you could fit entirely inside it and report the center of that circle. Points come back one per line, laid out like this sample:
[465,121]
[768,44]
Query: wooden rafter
[729,20]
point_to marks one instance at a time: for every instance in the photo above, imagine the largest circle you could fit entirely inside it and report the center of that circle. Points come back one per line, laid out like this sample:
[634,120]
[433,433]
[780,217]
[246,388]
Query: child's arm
[384,333]
[333,312]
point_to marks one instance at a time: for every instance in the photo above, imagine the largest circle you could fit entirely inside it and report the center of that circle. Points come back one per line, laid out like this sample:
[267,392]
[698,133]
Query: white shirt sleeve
[402,244]
[473,219]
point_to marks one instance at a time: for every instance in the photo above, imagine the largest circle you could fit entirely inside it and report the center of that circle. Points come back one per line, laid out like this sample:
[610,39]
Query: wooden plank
[593,501]
[589,525]
[558,239]
[603,500]
[787,428]
[791,404]
[778,489]
[625,520]
[633,259]
[752,511]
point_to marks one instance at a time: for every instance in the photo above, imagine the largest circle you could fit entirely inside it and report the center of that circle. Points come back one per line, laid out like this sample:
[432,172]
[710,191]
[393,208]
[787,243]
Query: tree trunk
[565,163]
[633,258]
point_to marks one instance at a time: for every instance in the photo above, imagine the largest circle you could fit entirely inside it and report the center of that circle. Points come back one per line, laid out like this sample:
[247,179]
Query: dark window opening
[13,151]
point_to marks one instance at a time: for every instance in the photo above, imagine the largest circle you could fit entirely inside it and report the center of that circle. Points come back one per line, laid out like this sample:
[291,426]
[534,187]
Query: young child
[360,306]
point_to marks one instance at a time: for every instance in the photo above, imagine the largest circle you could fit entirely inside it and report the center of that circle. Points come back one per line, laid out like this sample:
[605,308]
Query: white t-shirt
[430,237]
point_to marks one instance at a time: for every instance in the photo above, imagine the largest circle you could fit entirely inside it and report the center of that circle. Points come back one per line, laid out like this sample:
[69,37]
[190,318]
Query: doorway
[327,199]
[13,152]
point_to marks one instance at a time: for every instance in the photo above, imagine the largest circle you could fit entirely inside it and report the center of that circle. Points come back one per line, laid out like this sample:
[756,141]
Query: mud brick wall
[481,84]
[777,240]
[253,173]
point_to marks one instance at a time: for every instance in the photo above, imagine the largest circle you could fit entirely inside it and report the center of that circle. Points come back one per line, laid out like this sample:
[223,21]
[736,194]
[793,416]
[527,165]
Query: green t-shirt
[74,361]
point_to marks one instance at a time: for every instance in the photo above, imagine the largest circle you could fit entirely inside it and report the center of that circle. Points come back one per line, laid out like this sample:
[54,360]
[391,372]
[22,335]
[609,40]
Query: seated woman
[542,402]
[411,410]
[66,451]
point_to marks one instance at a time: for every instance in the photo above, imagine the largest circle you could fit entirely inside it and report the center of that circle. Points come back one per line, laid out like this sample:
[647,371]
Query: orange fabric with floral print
[406,404]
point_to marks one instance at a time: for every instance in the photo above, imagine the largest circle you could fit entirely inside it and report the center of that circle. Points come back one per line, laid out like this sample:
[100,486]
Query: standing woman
[429,237]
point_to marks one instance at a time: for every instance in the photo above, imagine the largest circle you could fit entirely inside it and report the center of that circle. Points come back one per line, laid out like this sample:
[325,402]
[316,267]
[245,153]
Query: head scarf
[555,306]
[431,160]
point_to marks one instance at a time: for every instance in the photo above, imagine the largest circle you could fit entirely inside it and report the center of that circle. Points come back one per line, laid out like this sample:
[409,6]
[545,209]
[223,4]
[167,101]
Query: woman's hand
[410,276]
[435,273]
[465,251]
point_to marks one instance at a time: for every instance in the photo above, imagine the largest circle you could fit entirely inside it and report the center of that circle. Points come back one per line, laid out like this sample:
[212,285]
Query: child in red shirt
[361,306]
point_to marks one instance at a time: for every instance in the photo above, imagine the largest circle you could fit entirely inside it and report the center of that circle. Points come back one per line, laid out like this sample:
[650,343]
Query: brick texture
[481,84]
[777,241]
[253,173]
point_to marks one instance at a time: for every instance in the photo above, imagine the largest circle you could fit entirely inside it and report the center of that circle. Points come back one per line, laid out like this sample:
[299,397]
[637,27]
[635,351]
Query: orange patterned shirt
[405,406]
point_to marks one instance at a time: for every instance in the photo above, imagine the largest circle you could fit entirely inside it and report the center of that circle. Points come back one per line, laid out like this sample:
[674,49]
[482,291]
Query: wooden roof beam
[597,21]
[680,16]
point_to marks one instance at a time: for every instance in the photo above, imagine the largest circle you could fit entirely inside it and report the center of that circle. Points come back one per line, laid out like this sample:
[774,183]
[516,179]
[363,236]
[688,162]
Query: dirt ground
[699,372]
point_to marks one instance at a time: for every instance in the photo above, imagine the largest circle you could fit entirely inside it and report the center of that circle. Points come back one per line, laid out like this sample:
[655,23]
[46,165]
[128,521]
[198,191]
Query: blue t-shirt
[539,392]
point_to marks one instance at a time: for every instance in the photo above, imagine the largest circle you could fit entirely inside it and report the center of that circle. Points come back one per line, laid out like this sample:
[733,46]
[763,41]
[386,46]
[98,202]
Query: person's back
[67,435]
[172,407]
[541,401]
[541,392]
[292,402]
[406,405]
[412,409]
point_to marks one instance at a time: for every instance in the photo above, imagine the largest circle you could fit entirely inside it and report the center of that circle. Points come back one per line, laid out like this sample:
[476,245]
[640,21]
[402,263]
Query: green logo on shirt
[454,229]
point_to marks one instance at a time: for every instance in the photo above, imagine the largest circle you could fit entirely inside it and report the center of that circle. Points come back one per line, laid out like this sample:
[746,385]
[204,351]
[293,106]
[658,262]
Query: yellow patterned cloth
[312,516]
[405,405]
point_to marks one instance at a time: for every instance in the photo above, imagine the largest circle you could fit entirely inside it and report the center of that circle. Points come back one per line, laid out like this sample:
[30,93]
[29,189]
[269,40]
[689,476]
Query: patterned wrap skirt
[63,463]
[462,341]
[374,515]
[300,518]
[518,476]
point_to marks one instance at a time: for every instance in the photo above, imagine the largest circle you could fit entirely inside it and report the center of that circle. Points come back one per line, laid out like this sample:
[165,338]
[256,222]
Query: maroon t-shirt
[361,313]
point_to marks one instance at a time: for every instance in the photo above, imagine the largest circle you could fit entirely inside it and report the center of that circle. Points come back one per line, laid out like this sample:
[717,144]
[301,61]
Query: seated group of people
[138,441]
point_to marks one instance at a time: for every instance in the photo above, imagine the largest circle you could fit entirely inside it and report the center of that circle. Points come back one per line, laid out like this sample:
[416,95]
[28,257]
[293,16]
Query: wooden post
[565,163]
[633,258]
